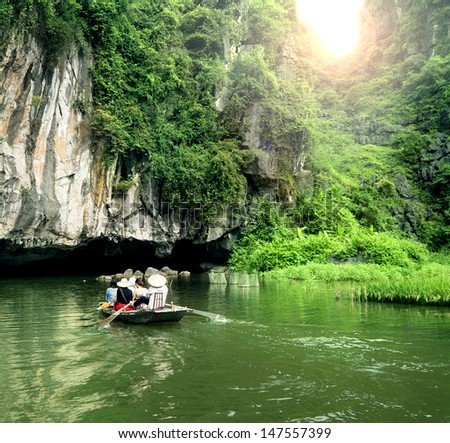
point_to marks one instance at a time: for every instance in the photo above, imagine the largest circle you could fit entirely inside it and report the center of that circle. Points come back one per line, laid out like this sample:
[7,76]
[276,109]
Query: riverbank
[357,272]
[428,284]
[434,291]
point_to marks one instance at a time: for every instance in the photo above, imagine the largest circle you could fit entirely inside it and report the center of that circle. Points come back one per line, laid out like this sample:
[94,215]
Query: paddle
[210,315]
[108,320]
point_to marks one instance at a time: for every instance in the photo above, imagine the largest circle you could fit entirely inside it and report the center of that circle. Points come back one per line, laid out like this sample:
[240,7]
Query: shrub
[122,187]
[270,245]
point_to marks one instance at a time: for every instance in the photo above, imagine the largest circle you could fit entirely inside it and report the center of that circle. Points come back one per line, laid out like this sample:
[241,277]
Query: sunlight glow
[335,21]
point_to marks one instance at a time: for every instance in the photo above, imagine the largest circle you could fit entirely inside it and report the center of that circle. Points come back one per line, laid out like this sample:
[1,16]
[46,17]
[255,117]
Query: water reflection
[290,352]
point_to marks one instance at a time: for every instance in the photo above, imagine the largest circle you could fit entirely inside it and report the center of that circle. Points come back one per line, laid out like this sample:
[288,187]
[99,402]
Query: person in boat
[156,295]
[139,291]
[140,288]
[110,295]
[124,296]
[158,290]
[132,283]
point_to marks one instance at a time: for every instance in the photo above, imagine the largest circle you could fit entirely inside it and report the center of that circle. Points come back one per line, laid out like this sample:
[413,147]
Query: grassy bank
[330,272]
[428,291]
[359,272]
[384,266]
[426,285]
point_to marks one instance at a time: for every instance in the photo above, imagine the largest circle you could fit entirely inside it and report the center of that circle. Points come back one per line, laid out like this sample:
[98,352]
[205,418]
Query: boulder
[151,271]
[184,274]
[138,274]
[402,186]
[167,271]
[128,273]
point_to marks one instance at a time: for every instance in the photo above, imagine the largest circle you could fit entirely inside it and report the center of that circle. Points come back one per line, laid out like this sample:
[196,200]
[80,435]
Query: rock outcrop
[51,184]
[55,190]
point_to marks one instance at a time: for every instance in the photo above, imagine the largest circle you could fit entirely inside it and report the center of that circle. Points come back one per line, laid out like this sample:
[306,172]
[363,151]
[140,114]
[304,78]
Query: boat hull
[141,316]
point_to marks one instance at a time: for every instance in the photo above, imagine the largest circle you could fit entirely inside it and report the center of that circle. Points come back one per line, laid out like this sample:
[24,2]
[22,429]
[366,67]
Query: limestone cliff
[55,190]
[58,196]
[56,193]
[51,186]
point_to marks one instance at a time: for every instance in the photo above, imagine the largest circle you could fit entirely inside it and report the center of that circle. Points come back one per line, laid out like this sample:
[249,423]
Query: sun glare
[335,21]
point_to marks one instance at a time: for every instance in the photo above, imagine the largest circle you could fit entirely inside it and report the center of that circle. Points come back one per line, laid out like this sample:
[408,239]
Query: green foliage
[206,174]
[351,176]
[427,93]
[408,101]
[122,187]
[267,23]
[410,144]
[370,274]
[56,23]
[6,13]
[385,249]
[203,30]
[36,100]
[330,272]
[441,183]
[400,100]
[253,77]
[269,246]
[157,64]
[423,291]
[80,105]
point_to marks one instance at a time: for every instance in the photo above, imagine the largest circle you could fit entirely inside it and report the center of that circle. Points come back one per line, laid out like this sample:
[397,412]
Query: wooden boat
[141,316]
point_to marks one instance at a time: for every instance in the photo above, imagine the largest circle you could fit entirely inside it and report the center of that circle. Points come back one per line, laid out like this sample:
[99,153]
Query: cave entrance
[104,256]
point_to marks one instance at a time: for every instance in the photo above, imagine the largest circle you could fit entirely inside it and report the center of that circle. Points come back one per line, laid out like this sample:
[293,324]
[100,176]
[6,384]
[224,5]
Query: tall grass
[414,290]
[330,272]
[425,285]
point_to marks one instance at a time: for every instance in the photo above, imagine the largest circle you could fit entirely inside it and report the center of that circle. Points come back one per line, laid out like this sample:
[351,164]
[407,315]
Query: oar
[108,320]
[210,315]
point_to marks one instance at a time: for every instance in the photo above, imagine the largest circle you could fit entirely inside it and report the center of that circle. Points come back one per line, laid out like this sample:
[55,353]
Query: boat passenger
[124,295]
[111,292]
[140,291]
[132,283]
[158,286]
[140,288]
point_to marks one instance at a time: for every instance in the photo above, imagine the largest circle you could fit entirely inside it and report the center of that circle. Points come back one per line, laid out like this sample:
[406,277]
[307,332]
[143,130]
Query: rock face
[55,191]
[51,186]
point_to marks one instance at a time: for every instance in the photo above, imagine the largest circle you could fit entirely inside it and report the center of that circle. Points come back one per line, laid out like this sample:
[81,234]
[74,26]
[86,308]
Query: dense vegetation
[156,68]
[363,160]
[272,246]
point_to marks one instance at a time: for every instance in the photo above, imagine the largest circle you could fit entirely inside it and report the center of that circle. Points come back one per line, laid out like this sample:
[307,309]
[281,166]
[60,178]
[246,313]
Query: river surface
[289,352]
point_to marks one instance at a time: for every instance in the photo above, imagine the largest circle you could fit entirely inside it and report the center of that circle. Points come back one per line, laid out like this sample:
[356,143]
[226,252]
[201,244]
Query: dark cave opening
[106,257]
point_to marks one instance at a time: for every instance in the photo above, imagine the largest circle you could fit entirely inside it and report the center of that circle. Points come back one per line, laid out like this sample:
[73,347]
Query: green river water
[290,352]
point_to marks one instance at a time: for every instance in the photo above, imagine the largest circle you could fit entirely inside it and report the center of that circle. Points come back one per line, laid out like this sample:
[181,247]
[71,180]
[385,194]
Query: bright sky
[334,20]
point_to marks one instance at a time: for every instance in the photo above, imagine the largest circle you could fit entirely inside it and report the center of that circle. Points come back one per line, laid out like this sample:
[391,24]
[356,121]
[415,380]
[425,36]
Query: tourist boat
[141,316]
